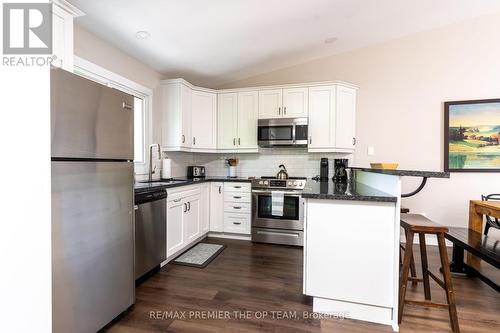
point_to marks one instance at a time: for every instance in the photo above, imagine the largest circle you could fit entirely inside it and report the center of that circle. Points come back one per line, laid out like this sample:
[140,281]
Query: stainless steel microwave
[291,132]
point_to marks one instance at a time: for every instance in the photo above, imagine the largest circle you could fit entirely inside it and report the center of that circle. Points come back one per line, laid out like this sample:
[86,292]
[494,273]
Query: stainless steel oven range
[288,228]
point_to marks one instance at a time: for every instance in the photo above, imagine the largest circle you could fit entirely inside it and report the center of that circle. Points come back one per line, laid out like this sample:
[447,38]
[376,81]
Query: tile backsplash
[297,161]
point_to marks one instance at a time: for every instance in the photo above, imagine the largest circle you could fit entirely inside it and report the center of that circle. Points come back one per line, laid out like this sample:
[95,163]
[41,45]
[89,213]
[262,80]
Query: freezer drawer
[278,236]
[92,244]
[89,120]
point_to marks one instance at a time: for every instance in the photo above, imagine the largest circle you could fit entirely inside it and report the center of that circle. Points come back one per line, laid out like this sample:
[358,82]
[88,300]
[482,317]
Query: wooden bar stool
[413,270]
[418,224]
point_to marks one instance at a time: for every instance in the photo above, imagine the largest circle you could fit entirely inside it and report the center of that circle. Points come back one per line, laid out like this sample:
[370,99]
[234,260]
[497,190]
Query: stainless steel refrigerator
[92,203]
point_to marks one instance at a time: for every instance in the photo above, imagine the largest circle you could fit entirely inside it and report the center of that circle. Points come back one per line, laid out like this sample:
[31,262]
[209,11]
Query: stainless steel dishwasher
[150,231]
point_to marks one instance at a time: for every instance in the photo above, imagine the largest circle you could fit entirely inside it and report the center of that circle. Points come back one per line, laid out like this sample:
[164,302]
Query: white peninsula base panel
[350,258]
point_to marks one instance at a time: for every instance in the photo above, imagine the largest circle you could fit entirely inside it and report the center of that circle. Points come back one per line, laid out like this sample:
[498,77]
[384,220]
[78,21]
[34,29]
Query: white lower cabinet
[194,210]
[175,226]
[205,207]
[186,207]
[237,208]
[237,223]
[192,218]
[217,207]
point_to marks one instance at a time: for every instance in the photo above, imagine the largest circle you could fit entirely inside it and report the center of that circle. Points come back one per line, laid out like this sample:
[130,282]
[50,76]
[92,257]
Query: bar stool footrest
[427,304]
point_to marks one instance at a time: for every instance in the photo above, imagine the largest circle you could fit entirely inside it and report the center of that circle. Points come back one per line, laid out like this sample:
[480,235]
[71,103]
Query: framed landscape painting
[472,134]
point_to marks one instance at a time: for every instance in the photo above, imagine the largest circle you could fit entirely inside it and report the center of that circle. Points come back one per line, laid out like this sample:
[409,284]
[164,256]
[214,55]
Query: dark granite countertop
[409,173]
[141,187]
[345,191]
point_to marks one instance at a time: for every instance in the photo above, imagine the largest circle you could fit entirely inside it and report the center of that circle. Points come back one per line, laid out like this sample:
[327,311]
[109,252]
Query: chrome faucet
[151,169]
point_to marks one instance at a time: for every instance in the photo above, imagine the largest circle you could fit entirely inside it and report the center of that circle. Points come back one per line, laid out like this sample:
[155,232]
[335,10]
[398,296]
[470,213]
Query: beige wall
[102,53]
[403,85]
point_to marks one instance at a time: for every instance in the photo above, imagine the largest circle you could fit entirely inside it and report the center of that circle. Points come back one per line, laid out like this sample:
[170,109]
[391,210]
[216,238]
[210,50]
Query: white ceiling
[211,42]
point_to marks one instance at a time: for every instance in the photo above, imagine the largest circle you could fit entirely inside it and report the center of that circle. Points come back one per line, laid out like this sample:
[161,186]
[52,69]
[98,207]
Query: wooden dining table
[477,209]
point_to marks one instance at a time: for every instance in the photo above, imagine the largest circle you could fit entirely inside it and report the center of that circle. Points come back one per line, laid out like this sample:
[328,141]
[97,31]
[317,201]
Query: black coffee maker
[340,170]
[323,170]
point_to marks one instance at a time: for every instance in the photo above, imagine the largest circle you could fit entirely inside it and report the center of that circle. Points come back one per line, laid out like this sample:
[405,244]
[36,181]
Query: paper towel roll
[166,168]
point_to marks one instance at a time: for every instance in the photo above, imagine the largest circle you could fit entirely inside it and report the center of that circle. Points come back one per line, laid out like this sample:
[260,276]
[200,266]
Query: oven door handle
[287,192]
[274,233]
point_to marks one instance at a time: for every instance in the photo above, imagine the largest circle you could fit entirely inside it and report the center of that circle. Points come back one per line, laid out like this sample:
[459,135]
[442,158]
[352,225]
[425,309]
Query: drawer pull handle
[237,186]
[277,233]
[237,223]
[236,197]
[177,200]
[236,207]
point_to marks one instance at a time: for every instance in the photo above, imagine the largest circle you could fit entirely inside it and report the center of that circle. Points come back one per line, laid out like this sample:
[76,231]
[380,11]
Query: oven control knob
[294,183]
[290,183]
[300,183]
[261,182]
[266,182]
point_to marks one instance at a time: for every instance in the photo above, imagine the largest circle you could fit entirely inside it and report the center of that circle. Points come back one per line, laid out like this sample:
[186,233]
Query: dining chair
[490,221]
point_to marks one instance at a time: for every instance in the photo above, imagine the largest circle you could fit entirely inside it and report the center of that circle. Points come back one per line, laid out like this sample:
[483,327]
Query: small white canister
[232,171]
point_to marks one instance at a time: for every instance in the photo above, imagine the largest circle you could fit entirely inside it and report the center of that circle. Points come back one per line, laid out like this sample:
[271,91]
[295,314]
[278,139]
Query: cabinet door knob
[185,207]
[310,139]
[279,110]
[220,189]
[284,110]
[189,206]
[183,138]
[239,141]
[353,141]
[234,141]
[194,140]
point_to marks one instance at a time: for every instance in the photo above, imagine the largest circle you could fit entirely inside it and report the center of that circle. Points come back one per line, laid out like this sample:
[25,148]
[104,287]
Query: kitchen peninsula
[351,249]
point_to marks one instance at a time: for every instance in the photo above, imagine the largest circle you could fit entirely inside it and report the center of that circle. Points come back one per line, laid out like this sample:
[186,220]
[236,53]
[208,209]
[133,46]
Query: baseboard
[229,235]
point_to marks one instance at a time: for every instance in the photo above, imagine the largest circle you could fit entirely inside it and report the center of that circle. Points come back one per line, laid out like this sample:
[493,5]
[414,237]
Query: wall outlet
[371,151]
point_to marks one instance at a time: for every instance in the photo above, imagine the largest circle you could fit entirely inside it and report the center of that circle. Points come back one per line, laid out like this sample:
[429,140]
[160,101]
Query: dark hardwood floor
[259,277]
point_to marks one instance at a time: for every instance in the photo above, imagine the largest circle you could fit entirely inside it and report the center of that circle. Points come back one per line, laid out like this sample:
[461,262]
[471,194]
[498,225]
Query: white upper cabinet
[321,117]
[227,126]
[270,103]
[63,14]
[176,116]
[203,120]
[295,102]
[189,117]
[248,108]
[345,118]
[332,119]
[237,121]
[283,103]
